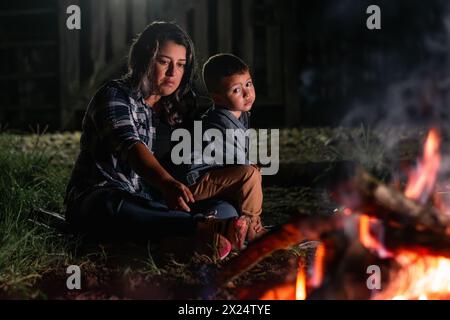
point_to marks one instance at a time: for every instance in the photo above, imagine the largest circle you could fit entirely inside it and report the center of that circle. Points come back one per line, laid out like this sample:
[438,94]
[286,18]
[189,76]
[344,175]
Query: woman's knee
[223,209]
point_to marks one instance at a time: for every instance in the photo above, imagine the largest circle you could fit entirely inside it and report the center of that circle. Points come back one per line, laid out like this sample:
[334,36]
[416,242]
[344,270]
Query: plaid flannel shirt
[116,118]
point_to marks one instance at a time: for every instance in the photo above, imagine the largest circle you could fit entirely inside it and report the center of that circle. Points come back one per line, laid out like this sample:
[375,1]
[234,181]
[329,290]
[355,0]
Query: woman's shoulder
[118,90]
[121,85]
[114,93]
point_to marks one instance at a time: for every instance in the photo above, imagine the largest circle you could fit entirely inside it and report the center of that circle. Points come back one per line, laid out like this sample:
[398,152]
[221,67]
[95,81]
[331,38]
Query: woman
[118,187]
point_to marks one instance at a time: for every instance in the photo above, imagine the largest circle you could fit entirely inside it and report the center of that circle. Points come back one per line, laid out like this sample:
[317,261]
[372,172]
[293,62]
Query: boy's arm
[239,147]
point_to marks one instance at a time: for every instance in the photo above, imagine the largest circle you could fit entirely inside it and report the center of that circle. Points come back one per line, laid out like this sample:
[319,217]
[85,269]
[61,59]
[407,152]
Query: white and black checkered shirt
[116,118]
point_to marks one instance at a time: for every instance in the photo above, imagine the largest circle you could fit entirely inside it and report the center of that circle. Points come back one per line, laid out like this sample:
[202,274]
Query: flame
[300,285]
[317,276]
[285,292]
[422,180]
[367,239]
[421,277]
[289,291]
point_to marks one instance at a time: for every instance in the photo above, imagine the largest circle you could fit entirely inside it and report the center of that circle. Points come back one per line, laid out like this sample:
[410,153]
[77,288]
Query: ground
[33,259]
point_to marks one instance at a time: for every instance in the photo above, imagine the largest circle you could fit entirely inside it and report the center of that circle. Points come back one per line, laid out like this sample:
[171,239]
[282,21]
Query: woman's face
[169,68]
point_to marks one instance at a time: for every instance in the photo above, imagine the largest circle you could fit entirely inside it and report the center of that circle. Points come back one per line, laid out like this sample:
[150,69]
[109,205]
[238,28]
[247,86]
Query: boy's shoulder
[224,118]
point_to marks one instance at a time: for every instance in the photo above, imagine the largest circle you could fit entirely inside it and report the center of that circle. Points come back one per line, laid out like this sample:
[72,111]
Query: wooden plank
[41,108]
[28,12]
[139,15]
[290,68]
[34,75]
[118,15]
[179,9]
[69,62]
[154,8]
[274,72]
[98,36]
[224,26]
[21,44]
[200,35]
[247,33]
[176,11]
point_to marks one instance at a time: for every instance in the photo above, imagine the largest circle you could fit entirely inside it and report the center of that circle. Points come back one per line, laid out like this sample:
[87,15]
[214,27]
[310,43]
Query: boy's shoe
[255,228]
[223,247]
[211,237]
[237,231]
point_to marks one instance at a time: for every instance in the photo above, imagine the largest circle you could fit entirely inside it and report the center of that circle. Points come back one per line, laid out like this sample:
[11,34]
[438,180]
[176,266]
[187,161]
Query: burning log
[313,228]
[305,227]
[372,197]
[396,238]
[410,239]
[300,228]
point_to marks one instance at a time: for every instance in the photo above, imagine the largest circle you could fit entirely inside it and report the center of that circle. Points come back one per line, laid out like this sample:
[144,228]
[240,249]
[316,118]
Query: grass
[34,170]
[29,180]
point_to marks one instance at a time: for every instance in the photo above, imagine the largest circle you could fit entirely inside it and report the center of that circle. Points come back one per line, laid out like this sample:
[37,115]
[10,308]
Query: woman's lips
[168,83]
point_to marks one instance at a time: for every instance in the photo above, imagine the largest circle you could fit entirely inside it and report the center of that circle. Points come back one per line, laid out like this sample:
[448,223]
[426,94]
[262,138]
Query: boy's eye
[236,90]
[249,84]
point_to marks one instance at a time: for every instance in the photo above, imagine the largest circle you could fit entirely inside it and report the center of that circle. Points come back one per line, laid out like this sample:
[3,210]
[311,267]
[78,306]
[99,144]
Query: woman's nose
[170,70]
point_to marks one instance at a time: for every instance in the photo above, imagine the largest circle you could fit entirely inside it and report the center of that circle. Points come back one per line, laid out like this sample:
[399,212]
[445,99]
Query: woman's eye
[181,65]
[164,62]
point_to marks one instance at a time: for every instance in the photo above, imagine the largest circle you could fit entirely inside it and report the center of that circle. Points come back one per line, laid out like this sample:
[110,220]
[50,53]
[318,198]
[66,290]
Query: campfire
[386,242]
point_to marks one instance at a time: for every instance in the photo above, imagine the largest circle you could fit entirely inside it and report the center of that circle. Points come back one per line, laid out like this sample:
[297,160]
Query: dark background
[314,62]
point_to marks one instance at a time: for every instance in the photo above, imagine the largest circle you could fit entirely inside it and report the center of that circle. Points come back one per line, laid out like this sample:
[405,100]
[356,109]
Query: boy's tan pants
[240,184]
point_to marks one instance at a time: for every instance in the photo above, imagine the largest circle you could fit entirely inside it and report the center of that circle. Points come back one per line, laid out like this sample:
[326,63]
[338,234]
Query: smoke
[415,72]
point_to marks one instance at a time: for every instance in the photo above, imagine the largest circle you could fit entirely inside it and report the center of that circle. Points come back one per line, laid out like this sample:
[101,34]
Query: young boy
[228,80]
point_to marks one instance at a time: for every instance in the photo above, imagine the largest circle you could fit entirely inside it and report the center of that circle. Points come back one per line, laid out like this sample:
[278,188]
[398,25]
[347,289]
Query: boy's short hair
[220,66]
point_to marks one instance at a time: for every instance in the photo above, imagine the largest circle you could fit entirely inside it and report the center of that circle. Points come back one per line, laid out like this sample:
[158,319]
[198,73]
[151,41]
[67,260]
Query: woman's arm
[144,163]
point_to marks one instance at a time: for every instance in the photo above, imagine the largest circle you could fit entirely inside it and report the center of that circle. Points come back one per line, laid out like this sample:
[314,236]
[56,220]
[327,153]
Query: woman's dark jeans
[115,214]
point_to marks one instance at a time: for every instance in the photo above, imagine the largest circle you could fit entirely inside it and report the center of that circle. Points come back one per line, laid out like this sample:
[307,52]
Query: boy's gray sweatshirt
[235,140]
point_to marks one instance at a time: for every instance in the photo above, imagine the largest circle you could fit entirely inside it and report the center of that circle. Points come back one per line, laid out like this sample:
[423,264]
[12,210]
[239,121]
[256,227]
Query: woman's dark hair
[141,64]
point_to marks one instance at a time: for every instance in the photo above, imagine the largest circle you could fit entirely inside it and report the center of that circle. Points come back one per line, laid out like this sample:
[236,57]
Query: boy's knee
[251,173]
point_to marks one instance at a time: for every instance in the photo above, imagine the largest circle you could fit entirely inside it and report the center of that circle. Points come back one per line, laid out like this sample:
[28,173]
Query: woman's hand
[177,195]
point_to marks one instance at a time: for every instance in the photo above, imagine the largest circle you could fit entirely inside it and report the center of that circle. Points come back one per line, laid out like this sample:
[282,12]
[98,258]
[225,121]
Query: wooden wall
[56,70]
[29,76]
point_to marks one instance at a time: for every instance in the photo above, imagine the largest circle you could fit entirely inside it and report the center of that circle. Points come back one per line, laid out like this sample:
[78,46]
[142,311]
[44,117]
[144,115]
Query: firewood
[428,242]
[416,225]
[298,229]
[367,195]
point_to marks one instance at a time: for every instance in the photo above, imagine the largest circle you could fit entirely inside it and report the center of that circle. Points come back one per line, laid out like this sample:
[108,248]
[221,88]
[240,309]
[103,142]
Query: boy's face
[238,93]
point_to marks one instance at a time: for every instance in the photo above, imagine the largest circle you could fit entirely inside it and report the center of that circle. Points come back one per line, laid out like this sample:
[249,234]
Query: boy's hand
[177,195]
